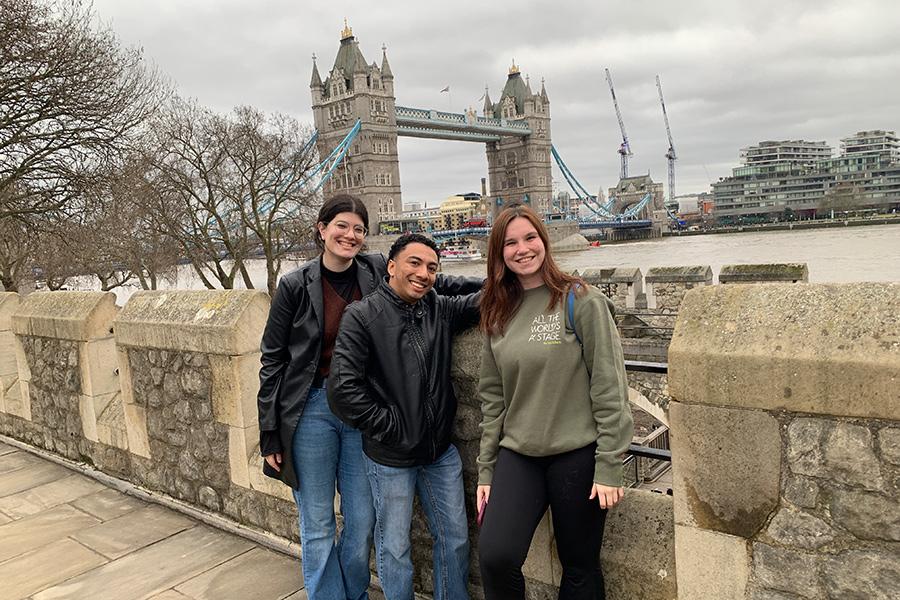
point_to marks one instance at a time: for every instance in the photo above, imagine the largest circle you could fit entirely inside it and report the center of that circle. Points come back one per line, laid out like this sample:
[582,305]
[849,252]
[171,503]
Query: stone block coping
[702,273]
[612,275]
[766,272]
[830,349]
[228,322]
[78,316]
[9,302]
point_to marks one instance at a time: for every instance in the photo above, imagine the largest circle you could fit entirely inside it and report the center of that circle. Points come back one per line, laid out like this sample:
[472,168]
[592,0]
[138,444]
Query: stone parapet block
[726,467]
[9,369]
[612,275]
[638,554]
[622,284]
[9,302]
[720,572]
[225,322]
[793,272]
[8,364]
[827,349]
[699,273]
[76,316]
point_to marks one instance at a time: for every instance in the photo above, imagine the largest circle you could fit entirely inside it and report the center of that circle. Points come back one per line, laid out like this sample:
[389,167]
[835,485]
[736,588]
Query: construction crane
[670,154]
[624,147]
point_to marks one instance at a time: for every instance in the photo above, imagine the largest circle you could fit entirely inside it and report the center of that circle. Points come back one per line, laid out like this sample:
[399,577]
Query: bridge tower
[356,90]
[519,167]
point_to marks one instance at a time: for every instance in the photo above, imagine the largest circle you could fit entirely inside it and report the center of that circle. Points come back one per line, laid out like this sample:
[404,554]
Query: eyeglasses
[344,227]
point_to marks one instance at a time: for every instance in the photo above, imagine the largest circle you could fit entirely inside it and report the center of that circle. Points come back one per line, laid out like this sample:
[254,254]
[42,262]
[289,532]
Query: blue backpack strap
[570,313]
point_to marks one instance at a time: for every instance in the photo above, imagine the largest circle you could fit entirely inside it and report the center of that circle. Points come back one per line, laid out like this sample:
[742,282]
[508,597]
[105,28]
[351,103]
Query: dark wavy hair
[409,238]
[336,205]
[503,292]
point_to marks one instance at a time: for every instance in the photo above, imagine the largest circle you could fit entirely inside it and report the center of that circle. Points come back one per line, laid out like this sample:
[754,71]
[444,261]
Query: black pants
[521,490]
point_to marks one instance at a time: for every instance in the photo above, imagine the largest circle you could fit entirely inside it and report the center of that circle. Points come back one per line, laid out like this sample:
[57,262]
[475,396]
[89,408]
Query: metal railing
[646,461]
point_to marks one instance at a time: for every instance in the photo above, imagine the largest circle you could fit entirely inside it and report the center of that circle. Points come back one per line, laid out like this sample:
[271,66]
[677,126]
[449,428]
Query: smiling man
[390,378]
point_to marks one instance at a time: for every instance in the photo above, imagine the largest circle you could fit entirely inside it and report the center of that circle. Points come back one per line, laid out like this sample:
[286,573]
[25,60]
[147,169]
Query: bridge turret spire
[528,86]
[488,105]
[316,80]
[514,69]
[385,67]
[544,92]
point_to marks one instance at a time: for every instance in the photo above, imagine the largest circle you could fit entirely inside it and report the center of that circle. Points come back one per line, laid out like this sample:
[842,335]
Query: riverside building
[800,179]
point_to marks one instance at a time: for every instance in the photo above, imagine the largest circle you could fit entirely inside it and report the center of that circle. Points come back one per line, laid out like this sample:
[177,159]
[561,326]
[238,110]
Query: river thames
[833,255]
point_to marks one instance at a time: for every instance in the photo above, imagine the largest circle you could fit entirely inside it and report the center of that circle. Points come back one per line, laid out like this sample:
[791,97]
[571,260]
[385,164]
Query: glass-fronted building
[800,179]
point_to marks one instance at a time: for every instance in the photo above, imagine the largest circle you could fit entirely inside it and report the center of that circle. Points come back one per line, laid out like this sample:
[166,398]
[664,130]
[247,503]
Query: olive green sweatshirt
[540,396]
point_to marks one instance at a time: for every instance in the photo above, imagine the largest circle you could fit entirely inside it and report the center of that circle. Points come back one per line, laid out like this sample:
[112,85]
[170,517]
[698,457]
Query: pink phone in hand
[481,508]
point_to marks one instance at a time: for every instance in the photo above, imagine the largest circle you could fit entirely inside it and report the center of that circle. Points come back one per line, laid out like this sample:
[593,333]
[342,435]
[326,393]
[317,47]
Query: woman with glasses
[303,443]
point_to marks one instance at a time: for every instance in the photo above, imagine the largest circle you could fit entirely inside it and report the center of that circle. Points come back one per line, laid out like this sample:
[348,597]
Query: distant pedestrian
[555,412]
[303,443]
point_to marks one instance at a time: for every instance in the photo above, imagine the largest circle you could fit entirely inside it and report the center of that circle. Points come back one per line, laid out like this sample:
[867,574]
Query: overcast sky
[733,72]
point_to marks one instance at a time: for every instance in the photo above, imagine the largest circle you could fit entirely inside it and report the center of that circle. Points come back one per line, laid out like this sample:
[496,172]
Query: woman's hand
[482,494]
[608,496]
[274,461]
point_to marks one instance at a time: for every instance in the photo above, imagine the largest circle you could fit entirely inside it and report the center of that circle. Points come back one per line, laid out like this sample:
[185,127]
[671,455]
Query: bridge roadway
[429,123]
[66,535]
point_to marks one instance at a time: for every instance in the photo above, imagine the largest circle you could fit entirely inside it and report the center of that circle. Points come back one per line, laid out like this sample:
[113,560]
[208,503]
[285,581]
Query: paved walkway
[64,535]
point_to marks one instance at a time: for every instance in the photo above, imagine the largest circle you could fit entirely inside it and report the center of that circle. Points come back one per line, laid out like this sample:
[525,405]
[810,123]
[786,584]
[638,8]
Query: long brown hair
[503,292]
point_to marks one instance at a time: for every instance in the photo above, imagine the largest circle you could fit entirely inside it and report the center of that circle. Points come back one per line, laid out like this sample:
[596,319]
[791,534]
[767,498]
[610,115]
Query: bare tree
[17,240]
[141,243]
[272,157]
[71,99]
[189,161]
[231,187]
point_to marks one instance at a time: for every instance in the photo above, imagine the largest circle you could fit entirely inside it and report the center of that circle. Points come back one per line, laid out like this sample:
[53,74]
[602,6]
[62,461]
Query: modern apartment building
[800,178]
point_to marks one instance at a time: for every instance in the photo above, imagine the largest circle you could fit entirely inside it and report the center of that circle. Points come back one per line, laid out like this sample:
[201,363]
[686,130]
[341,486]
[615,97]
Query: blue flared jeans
[329,455]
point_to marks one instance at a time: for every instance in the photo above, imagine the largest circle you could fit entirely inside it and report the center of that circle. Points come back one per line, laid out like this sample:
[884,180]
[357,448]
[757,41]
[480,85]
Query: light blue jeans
[329,453]
[440,489]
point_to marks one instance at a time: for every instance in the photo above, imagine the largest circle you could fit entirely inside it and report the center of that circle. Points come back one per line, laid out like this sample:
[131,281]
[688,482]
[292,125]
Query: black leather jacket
[390,373]
[292,343]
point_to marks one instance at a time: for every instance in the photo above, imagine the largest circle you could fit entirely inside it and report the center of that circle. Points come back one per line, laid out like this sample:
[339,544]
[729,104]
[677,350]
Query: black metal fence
[648,460]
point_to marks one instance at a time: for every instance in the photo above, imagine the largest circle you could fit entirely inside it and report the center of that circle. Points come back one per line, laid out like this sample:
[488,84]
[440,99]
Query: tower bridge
[358,123]
[515,131]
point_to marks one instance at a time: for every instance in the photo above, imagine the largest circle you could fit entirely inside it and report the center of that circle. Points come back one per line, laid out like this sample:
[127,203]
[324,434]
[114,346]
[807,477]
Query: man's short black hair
[412,238]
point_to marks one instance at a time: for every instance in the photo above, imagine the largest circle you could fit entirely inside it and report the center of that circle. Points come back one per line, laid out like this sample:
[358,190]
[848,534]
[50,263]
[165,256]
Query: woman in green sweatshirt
[555,412]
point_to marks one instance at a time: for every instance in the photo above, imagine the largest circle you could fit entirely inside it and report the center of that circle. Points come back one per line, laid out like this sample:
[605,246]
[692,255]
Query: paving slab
[4,519]
[133,531]
[48,495]
[302,595]
[153,569]
[15,460]
[33,571]
[6,449]
[108,504]
[170,595]
[39,530]
[277,576]
[30,476]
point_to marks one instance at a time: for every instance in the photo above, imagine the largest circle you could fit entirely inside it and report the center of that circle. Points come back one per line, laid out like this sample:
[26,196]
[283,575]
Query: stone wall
[785,420]
[11,401]
[767,273]
[623,285]
[163,394]
[192,360]
[666,286]
[69,399]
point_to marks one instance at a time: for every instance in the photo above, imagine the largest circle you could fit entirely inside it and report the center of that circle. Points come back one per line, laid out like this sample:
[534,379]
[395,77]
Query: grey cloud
[733,73]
